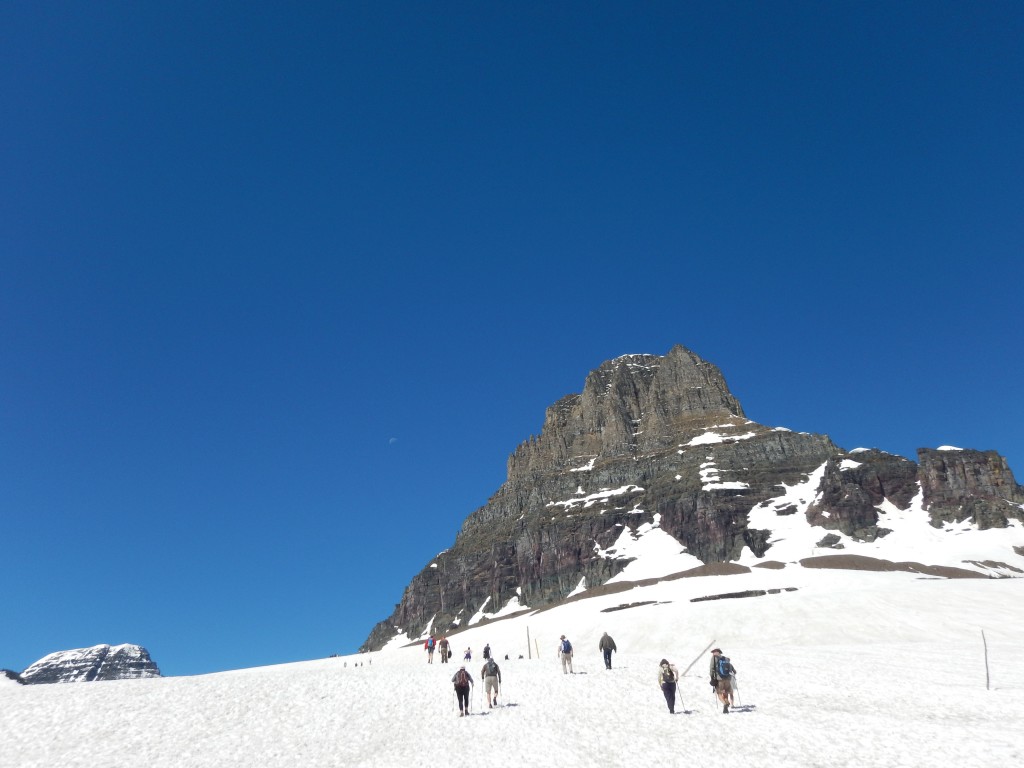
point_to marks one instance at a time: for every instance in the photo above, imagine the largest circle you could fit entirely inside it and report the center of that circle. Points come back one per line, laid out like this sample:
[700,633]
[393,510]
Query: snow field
[852,669]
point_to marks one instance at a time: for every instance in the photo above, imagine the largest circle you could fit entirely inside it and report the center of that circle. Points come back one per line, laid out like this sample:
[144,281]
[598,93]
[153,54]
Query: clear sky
[282,285]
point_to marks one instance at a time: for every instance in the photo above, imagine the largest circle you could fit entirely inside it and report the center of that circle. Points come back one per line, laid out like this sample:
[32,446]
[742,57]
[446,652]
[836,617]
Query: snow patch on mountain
[653,552]
[711,479]
[601,496]
[711,437]
[907,535]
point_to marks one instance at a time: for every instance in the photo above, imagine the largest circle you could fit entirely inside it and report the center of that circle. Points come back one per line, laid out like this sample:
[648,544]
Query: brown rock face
[653,435]
[962,485]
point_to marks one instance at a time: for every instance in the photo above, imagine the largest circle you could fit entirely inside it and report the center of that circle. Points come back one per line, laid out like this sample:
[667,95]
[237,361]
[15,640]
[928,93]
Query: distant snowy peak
[100,662]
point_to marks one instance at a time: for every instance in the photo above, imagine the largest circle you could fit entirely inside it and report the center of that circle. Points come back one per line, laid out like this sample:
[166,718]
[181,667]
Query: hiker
[490,673]
[722,672]
[442,644]
[606,646]
[565,654]
[463,681]
[468,655]
[667,677]
[487,651]
[429,646]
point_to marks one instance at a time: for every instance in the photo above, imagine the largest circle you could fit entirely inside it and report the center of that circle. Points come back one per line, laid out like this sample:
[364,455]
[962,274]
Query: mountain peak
[656,452]
[99,662]
[629,406]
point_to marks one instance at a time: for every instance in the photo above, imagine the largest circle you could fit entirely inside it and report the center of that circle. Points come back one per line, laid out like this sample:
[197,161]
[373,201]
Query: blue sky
[283,285]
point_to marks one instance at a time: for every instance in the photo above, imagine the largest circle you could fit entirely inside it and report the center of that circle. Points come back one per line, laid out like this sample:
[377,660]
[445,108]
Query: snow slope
[836,668]
[848,669]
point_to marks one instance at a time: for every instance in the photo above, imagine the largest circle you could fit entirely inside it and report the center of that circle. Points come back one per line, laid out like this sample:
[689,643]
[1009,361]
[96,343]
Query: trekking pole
[697,659]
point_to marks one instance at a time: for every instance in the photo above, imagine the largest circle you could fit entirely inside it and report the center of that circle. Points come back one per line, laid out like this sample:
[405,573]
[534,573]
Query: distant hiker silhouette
[606,645]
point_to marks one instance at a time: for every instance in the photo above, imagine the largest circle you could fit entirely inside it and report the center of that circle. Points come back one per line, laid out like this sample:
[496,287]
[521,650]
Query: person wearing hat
[668,675]
[722,672]
[463,681]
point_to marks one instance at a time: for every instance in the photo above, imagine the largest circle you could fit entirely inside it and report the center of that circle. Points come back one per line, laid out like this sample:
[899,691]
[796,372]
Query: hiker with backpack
[429,646]
[722,672]
[442,644]
[487,651]
[490,673]
[463,682]
[668,675]
[606,645]
[565,654]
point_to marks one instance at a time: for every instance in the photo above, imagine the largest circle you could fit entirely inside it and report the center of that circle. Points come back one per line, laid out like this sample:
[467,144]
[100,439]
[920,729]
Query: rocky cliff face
[662,439]
[101,662]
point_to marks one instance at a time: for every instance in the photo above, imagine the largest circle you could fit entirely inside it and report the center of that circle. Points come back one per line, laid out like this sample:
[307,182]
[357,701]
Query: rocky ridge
[662,440]
[100,662]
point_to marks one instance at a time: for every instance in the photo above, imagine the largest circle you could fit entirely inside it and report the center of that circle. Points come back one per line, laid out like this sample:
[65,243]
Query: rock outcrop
[961,485]
[101,662]
[662,439]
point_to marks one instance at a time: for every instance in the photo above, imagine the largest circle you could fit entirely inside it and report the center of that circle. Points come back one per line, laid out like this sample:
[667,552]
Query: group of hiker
[721,670]
[722,675]
[441,645]
[490,673]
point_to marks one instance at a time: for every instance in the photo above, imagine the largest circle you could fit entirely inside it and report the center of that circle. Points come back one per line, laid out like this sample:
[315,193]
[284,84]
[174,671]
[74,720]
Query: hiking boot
[725,710]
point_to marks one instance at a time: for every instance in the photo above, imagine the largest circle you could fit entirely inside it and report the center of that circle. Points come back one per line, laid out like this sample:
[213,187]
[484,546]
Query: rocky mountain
[660,441]
[101,662]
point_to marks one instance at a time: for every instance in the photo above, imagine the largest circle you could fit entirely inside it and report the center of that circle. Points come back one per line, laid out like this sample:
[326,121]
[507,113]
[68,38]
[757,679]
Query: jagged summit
[629,406]
[658,450]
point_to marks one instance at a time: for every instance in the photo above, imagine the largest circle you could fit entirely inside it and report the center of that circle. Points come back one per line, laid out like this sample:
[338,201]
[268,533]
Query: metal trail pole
[984,642]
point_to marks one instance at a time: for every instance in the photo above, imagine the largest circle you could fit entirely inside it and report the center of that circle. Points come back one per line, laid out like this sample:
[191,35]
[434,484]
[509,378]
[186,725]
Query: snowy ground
[851,669]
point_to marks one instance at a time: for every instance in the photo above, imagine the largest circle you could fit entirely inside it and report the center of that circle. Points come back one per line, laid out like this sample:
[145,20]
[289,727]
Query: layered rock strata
[663,438]
[101,662]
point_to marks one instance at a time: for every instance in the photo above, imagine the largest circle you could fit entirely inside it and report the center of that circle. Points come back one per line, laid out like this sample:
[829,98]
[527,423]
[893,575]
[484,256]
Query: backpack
[566,646]
[667,675]
[462,679]
[724,667]
[430,643]
[492,668]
